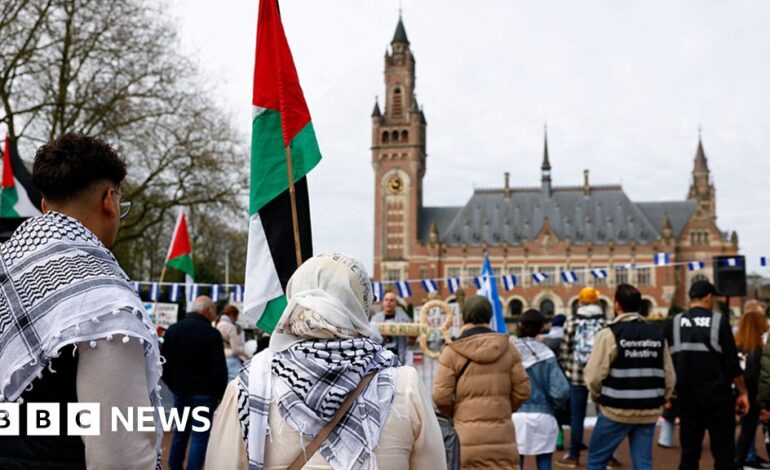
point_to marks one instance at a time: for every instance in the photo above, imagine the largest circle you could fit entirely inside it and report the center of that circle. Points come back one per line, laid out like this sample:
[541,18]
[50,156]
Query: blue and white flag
[154,291]
[174,297]
[662,259]
[570,277]
[489,290]
[763,261]
[404,290]
[137,288]
[695,265]
[378,290]
[627,266]
[429,285]
[192,291]
[539,277]
[599,273]
[733,262]
[479,280]
[453,283]
[238,293]
[215,292]
[509,282]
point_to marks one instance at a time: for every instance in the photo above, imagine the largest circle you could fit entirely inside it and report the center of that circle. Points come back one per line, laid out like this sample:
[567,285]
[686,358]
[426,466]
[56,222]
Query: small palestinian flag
[281,121]
[180,252]
[18,198]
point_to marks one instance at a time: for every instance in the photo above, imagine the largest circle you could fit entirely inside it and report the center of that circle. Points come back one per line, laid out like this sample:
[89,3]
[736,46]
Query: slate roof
[605,215]
[400,34]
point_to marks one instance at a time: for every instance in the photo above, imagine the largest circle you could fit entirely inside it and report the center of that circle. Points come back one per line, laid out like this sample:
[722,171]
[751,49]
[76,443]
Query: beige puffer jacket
[492,387]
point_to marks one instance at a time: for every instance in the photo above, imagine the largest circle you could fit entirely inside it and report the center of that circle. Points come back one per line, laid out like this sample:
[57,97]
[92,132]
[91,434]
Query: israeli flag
[479,281]
[599,273]
[695,265]
[137,288]
[763,261]
[192,291]
[539,277]
[662,259]
[509,282]
[403,289]
[238,293]
[453,283]
[215,292]
[429,285]
[489,290]
[733,262]
[154,291]
[569,277]
[378,291]
[174,297]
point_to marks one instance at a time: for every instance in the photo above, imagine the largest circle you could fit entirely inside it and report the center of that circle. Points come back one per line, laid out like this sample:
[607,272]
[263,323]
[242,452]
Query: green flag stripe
[272,314]
[183,263]
[8,199]
[268,158]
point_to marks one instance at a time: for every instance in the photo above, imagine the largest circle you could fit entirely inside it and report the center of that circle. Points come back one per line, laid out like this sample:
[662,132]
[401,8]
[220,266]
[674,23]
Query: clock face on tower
[395,185]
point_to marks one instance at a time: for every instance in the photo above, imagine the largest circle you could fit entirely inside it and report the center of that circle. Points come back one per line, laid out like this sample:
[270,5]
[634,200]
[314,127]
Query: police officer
[706,363]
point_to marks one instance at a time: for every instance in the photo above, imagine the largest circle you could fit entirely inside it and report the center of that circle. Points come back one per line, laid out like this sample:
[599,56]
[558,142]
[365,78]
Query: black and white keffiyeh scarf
[308,382]
[62,286]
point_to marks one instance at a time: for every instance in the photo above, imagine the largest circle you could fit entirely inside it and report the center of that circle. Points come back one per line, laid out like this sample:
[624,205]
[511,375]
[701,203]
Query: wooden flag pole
[293,198]
[160,283]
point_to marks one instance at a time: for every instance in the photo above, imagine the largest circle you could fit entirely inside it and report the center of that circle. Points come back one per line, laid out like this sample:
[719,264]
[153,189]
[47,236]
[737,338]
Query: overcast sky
[623,87]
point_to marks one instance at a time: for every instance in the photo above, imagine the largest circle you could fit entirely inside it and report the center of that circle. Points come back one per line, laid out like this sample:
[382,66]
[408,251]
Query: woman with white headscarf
[320,351]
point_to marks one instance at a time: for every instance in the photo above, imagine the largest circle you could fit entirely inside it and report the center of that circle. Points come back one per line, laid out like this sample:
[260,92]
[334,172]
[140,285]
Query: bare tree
[111,68]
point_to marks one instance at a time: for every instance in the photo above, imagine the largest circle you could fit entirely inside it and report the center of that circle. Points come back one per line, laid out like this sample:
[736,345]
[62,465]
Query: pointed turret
[666,230]
[701,164]
[701,187]
[376,111]
[546,168]
[399,37]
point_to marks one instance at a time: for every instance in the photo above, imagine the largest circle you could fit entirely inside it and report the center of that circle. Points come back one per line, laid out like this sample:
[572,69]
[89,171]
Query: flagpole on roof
[293,198]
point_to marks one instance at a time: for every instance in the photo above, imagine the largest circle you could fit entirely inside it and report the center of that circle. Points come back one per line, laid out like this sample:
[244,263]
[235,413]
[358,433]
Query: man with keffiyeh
[72,328]
[320,351]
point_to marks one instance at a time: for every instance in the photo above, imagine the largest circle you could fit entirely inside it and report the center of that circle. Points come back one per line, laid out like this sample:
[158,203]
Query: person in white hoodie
[579,332]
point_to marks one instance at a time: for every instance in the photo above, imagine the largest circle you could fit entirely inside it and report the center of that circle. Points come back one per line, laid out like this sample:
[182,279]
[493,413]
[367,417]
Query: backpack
[585,332]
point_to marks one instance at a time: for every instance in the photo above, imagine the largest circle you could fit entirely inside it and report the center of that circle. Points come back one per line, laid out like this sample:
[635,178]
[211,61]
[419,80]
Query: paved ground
[664,459]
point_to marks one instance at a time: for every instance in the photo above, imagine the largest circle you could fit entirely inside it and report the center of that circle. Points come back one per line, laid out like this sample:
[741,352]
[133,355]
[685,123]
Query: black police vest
[636,378]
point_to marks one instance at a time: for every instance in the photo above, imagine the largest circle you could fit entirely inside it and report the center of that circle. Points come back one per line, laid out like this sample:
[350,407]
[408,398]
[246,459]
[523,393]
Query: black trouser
[748,433]
[715,415]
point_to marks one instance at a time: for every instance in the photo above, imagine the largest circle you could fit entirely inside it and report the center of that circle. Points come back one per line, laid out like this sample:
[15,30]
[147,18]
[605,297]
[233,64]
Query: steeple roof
[376,111]
[400,34]
[546,162]
[701,164]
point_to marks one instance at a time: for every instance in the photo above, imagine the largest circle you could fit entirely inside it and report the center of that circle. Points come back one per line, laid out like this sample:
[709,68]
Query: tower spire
[546,166]
[399,37]
[701,163]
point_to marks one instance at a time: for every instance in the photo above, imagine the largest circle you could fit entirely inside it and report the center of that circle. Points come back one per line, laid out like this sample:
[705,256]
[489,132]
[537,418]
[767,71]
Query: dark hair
[701,289]
[629,298]
[531,323]
[477,309]
[73,162]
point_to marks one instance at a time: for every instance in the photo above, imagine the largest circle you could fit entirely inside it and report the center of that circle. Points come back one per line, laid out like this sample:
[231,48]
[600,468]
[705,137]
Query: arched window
[547,307]
[515,307]
[405,136]
[385,137]
[394,136]
[397,102]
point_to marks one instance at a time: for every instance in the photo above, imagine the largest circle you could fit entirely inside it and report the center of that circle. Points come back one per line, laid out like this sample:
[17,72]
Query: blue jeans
[198,439]
[233,367]
[608,435]
[578,400]
[543,461]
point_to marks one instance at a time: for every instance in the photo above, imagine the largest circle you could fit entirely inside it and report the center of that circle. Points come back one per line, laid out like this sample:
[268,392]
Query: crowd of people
[325,390]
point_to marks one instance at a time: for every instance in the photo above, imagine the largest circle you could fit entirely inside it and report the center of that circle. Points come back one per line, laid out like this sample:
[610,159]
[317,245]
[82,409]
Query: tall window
[397,103]
[404,136]
[549,271]
[547,307]
[516,271]
[581,275]
[472,273]
[621,275]
[394,275]
[453,271]
[385,137]
[515,307]
[643,277]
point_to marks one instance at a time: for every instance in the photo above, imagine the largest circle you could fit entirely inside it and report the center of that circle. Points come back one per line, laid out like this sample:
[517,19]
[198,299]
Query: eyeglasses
[124,204]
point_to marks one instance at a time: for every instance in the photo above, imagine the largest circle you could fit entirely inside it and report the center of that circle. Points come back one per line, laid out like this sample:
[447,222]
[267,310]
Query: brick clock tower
[398,159]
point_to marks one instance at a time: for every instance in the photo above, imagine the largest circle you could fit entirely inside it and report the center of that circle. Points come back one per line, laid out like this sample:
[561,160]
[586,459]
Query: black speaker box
[730,275]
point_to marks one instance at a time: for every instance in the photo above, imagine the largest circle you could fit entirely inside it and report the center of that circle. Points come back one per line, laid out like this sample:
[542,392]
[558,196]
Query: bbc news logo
[83,419]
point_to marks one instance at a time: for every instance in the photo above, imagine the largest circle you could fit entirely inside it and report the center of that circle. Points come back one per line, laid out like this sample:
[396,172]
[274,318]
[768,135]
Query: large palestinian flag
[18,197]
[281,119]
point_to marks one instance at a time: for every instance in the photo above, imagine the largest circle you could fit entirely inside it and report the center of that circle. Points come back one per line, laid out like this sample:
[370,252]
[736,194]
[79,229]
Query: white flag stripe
[262,282]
